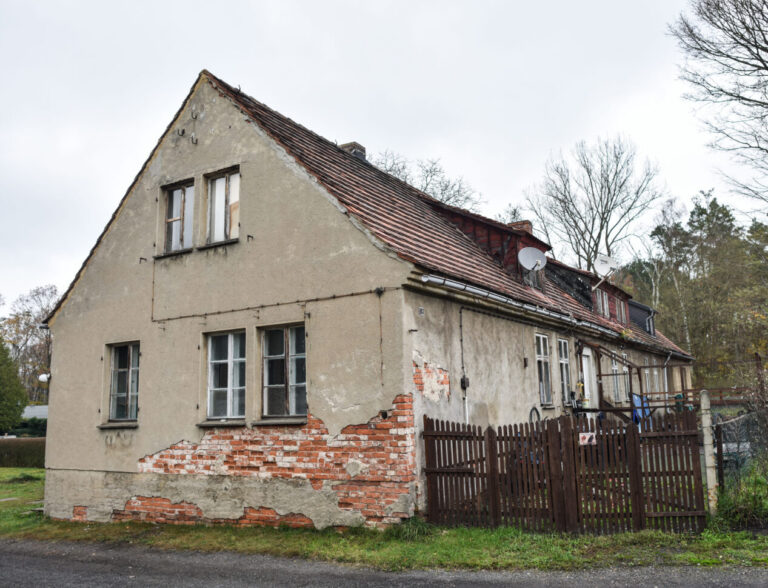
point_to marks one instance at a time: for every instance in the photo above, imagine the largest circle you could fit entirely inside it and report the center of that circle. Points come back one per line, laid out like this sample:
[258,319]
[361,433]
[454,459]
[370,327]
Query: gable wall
[299,259]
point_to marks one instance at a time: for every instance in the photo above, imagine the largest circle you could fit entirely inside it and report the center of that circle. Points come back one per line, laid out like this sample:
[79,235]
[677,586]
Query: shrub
[22,453]
[33,427]
[743,503]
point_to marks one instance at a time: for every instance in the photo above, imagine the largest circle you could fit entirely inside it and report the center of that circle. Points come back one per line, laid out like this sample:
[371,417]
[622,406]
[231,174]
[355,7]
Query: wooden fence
[567,474]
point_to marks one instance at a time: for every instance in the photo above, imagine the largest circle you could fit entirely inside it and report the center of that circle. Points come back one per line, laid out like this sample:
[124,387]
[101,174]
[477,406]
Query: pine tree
[13,399]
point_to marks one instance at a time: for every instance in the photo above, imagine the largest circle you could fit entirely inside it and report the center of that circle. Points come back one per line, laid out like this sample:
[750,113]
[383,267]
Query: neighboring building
[35,412]
[267,317]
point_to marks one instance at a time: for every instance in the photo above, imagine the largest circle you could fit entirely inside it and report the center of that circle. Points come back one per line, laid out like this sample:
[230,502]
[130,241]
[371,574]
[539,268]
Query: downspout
[464,378]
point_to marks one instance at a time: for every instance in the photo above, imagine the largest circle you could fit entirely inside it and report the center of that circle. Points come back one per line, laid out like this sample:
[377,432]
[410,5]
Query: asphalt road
[38,564]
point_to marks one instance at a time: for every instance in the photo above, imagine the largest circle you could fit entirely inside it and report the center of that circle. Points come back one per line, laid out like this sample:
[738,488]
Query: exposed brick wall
[161,510]
[80,513]
[369,466]
[432,381]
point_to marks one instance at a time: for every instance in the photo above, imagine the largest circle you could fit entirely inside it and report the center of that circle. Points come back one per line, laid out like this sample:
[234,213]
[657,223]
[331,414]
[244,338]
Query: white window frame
[132,382]
[621,314]
[231,206]
[563,354]
[616,381]
[543,374]
[647,376]
[232,363]
[603,306]
[625,377]
[185,219]
[291,385]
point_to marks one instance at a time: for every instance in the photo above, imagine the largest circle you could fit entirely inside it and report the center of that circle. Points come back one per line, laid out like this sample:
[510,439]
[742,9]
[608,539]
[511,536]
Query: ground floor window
[565,372]
[542,369]
[124,386]
[285,371]
[226,375]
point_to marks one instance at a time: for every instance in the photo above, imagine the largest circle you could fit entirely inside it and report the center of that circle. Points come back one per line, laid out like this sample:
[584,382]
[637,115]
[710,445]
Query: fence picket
[538,476]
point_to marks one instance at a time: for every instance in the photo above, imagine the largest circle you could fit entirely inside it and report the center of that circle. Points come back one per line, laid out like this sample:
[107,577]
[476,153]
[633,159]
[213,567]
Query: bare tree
[429,176]
[725,43]
[30,346]
[589,202]
[510,214]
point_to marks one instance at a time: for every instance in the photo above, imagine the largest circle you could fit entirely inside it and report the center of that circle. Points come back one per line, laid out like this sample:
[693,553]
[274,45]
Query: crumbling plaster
[219,497]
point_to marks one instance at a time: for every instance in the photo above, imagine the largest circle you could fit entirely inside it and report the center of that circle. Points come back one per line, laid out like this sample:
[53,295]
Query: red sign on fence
[587,439]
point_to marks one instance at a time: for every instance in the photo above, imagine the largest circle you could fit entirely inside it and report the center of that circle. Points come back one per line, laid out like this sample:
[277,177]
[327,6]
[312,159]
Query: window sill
[213,423]
[119,425]
[280,421]
[548,406]
[174,253]
[218,244]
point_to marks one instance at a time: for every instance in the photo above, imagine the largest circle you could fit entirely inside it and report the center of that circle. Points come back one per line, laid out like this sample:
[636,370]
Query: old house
[260,328]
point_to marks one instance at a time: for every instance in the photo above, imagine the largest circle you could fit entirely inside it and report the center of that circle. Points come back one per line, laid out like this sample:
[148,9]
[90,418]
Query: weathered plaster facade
[382,349]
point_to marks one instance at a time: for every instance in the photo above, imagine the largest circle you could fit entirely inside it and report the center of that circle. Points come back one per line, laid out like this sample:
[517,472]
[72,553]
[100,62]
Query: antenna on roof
[532,259]
[604,267]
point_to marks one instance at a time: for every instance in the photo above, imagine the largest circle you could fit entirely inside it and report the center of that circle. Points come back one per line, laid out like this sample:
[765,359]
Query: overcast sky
[491,88]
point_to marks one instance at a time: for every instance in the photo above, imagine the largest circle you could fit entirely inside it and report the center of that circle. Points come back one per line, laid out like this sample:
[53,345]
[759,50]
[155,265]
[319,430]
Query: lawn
[411,546]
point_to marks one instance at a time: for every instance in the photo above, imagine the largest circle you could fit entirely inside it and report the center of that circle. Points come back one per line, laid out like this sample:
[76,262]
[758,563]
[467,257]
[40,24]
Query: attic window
[179,215]
[621,313]
[601,303]
[224,206]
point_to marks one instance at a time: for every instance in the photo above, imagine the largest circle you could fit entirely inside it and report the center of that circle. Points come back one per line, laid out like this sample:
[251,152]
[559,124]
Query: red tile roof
[408,221]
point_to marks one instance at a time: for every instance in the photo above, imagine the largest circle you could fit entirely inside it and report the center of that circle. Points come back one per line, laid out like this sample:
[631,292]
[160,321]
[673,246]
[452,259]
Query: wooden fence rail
[567,474]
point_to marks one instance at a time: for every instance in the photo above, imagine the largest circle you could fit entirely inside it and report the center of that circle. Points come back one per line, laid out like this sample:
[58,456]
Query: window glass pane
[133,407]
[219,375]
[239,342]
[121,357]
[134,382]
[218,207]
[135,356]
[538,345]
[297,340]
[299,399]
[275,372]
[189,215]
[218,403]
[238,374]
[174,204]
[122,383]
[238,402]
[276,401]
[298,370]
[234,187]
[173,236]
[234,220]
[121,407]
[274,342]
[219,349]
[234,205]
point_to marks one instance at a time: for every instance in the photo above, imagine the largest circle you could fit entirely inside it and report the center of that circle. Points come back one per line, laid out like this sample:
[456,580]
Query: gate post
[635,464]
[430,471]
[492,471]
[709,451]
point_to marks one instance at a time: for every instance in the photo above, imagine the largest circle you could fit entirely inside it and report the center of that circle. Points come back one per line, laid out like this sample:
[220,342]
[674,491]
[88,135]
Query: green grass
[412,546]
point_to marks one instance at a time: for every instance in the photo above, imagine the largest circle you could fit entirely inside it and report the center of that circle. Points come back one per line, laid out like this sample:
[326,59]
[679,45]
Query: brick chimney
[524,225]
[355,149]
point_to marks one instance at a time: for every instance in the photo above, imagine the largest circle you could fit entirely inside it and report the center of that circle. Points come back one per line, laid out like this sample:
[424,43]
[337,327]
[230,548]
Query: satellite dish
[532,259]
[604,265]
